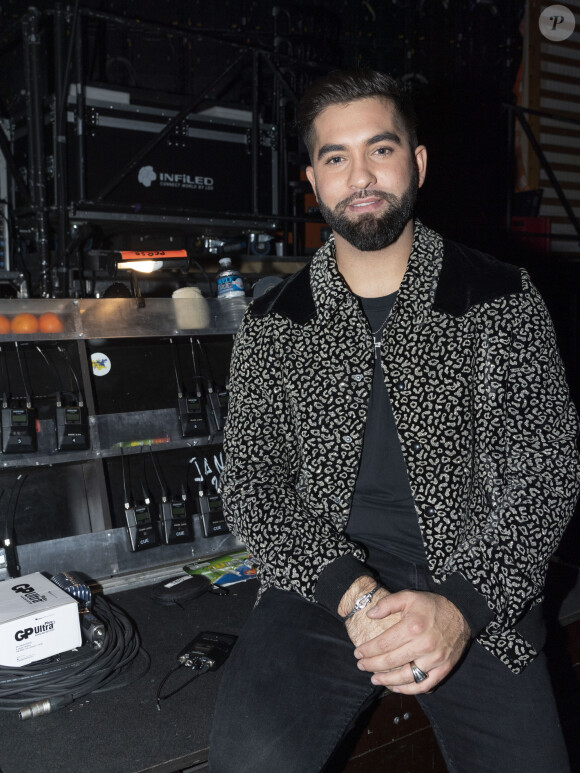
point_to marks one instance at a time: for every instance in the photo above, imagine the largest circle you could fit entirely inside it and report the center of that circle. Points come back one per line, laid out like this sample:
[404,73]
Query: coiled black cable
[54,683]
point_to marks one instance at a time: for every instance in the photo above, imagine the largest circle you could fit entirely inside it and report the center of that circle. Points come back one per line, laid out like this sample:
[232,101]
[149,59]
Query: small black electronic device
[176,521]
[208,649]
[139,517]
[72,428]
[206,652]
[192,417]
[72,420]
[212,514]
[18,424]
[18,430]
[9,566]
[141,526]
[217,397]
[191,406]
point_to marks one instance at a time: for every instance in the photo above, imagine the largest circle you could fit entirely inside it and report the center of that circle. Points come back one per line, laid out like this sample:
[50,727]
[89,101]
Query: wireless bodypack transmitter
[18,430]
[140,527]
[217,397]
[9,566]
[18,424]
[72,428]
[139,518]
[176,521]
[192,418]
[72,421]
[191,407]
[212,514]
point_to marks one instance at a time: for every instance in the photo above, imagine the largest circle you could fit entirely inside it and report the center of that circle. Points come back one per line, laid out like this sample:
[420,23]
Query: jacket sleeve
[527,471]
[291,541]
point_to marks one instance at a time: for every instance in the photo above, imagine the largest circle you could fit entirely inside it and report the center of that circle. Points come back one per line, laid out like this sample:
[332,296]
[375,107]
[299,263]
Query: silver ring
[418,675]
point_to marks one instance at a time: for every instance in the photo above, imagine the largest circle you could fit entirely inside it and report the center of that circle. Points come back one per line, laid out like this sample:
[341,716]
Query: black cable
[198,671]
[45,686]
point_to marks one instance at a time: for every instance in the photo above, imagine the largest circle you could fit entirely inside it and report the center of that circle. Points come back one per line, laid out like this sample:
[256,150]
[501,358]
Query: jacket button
[347,439]
[399,386]
[430,510]
[416,446]
[357,377]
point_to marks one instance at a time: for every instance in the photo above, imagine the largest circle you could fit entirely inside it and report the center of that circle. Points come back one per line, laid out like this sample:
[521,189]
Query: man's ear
[311,178]
[421,161]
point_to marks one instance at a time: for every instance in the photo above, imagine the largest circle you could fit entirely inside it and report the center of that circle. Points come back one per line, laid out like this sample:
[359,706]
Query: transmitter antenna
[5,378]
[194,359]
[66,357]
[144,487]
[127,495]
[23,376]
[52,366]
[177,369]
[160,478]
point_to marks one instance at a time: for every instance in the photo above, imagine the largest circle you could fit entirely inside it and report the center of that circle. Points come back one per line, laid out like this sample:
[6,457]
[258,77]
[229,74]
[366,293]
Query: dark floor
[564,653]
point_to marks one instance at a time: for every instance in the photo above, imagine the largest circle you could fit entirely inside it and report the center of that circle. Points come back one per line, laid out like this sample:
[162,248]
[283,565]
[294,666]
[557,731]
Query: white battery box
[37,620]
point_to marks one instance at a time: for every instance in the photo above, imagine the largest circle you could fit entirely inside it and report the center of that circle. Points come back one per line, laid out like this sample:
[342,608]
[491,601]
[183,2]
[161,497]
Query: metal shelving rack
[100,548]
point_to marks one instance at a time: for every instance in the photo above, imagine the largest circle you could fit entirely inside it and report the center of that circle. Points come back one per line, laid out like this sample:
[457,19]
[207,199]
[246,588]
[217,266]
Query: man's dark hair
[342,86]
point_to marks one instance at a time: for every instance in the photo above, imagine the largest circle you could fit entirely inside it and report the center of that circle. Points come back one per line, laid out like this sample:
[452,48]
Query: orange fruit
[49,322]
[4,325]
[24,323]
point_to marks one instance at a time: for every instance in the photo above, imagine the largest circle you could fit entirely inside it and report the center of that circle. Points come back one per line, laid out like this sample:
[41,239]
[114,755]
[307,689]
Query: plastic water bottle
[229,282]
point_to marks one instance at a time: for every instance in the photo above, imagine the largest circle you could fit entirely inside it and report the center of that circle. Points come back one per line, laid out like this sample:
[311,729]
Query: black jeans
[291,690]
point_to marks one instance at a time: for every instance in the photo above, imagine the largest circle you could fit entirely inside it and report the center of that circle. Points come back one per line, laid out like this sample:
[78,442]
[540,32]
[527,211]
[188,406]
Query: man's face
[364,173]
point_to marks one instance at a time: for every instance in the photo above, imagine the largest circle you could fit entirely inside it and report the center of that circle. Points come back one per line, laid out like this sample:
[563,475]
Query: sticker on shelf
[101,364]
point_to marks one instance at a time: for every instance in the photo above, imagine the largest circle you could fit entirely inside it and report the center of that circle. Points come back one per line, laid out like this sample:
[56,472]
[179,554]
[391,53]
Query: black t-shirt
[383,516]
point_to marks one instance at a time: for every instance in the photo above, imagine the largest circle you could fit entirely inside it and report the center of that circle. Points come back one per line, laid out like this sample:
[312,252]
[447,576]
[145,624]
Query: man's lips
[371,201]
[364,203]
[369,204]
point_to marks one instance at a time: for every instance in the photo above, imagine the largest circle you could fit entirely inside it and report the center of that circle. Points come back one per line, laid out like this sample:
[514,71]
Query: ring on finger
[418,674]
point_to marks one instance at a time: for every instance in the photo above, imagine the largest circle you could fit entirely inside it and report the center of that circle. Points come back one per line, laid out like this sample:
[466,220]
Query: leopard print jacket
[482,410]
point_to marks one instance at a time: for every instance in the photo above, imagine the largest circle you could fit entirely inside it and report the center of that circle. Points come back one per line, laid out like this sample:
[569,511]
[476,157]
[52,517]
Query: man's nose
[361,174]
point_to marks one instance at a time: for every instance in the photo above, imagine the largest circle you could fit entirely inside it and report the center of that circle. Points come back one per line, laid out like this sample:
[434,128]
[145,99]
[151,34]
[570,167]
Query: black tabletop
[122,731]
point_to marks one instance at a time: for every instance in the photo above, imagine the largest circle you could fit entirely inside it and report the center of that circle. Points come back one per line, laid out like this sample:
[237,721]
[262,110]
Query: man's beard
[368,233]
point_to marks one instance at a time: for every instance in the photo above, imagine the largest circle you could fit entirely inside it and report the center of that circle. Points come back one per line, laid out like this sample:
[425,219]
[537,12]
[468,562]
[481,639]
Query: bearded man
[401,464]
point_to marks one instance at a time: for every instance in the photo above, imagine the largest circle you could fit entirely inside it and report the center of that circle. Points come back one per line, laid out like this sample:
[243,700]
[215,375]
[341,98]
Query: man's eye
[333,160]
[383,151]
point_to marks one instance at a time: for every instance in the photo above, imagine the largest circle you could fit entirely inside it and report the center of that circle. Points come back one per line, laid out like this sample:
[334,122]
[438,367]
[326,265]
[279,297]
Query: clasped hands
[407,626]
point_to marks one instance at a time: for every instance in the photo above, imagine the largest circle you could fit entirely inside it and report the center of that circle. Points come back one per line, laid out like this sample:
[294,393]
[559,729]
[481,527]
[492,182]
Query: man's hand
[428,629]
[360,627]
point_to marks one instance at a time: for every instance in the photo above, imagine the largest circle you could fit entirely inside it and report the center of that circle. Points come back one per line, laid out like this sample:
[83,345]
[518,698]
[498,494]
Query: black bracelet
[362,601]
